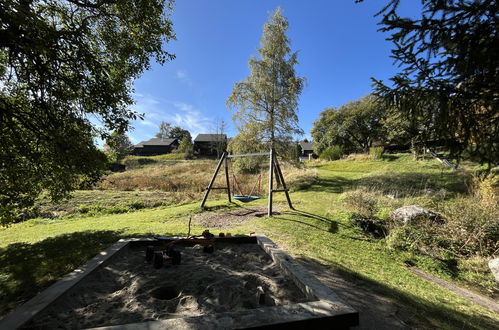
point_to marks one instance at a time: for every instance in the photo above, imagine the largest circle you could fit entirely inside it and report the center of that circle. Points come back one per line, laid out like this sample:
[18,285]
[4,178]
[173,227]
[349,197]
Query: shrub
[364,205]
[472,227]
[332,153]
[376,152]
[416,237]
[362,202]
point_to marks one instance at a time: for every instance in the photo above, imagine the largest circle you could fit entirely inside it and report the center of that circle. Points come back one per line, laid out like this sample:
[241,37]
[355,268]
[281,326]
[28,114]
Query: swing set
[275,174]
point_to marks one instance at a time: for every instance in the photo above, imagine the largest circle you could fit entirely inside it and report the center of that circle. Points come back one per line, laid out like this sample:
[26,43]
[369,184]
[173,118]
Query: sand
[128,289]
[231,218]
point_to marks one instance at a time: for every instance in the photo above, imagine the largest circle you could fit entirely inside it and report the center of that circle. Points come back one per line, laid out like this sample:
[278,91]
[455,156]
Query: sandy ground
[231,218]
[128,289]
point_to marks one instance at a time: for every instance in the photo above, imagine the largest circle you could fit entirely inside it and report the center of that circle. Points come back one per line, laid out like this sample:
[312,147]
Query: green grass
[35,253]
[100,202]
[132,162]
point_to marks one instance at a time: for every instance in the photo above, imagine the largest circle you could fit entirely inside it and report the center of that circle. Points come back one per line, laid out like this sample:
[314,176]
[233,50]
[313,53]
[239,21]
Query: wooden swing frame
[273,167]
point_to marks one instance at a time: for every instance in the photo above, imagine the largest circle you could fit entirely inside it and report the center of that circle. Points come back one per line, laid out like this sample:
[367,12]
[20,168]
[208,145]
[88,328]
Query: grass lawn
[35,253]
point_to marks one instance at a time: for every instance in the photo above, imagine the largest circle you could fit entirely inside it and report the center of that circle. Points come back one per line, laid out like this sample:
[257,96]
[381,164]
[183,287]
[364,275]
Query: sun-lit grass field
[33,254]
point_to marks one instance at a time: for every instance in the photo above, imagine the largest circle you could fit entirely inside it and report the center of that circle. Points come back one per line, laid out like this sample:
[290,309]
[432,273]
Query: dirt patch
[231,218]
[128,289]
[465,293]
[376,311]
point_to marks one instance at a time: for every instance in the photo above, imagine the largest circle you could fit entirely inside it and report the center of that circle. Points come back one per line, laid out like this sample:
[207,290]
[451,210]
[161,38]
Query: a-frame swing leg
[283,183]
[271,179]
[226,165]
[210,186]
[274,167]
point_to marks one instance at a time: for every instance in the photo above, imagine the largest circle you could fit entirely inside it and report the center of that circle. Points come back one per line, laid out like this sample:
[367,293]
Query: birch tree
[268,98]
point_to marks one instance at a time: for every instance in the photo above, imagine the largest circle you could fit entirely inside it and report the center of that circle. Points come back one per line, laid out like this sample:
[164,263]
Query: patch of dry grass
[461,243]
[192,177]
[358,157]
[189,177]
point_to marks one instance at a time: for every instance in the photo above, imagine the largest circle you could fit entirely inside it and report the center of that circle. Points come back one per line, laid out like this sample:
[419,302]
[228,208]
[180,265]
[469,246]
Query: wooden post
[271,179]
[278,167]
[213,179]
[278,180]
[226,161]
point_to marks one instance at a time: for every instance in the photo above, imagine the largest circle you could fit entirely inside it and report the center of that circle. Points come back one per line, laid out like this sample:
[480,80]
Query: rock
[494,268]
[408,214]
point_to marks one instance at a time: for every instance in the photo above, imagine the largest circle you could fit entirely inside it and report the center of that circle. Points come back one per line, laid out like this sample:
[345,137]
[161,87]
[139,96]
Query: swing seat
[245,199]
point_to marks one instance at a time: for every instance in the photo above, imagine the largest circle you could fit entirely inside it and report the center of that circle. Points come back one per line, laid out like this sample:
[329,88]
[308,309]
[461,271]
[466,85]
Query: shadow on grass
[416,184]
[28,268]
[332,184]
[400,184]
[390,158]
[370,299]
[333,225]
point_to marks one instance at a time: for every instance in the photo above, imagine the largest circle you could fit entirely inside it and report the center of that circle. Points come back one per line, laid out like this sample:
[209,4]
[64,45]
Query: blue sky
[339,50]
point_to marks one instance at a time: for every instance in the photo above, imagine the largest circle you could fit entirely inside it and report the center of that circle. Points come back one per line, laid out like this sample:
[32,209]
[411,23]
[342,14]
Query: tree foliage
[248,140]
[353,126]
[65,65]
[118,146]
[167,131]
[450,66]
[186,147]
[267,100]
[179,133]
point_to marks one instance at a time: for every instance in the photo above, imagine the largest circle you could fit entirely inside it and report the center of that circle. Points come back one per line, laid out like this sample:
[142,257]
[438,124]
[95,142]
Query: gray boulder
[494,268]
[410,213]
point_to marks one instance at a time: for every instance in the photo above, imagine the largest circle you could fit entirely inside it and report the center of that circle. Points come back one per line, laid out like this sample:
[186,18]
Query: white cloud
[178,113]
[148,123]
[184,77]
[181,74]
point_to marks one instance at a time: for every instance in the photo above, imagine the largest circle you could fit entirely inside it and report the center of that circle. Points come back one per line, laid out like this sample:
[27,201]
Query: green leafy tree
[353,126]
[165,129]
[118,146]
[331,153]
[248,140]
[448,57]
[179,133]
[186,147]
[267,100]
[65,65]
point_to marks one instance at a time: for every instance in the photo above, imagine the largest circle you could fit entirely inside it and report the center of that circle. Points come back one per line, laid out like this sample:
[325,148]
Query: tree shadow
[332,184]
[381,306]
[28,268]
[389,157]
[333,224]
[416,184]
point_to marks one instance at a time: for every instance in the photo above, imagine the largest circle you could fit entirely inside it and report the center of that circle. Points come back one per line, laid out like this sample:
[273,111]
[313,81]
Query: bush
[376,152]
[362,202]
[472,227]
[417,237]
[332,153]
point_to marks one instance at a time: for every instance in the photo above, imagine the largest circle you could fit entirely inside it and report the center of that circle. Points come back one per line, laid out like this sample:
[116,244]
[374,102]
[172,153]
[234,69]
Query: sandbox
[246,282]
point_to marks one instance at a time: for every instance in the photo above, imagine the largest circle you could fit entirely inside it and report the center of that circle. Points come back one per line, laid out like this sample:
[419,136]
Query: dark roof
[155,142]
[306,145]
[210,137]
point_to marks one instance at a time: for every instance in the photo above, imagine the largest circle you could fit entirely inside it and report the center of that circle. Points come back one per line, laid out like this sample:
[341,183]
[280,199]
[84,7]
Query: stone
[494,268]
[408,214]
